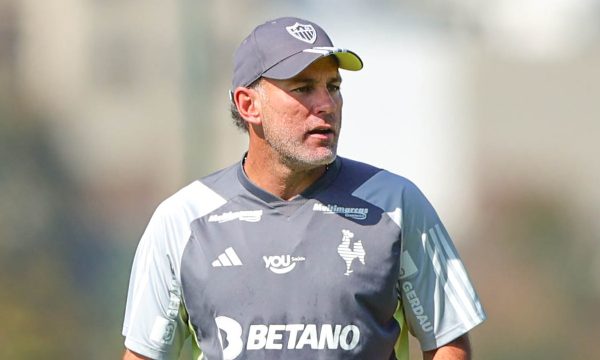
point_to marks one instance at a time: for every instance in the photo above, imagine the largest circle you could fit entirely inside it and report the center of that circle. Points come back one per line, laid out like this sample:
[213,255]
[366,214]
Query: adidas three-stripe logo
[228,258]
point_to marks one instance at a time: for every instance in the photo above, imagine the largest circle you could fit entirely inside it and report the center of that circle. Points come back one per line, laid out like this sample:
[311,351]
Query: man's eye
[302,89]
[333,88]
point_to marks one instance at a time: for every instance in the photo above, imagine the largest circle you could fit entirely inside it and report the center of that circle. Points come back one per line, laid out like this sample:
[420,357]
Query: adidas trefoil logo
[228,258]
[349,253]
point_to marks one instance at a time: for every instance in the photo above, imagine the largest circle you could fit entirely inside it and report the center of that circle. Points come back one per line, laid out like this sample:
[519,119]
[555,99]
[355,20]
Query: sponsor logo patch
[282,264]
[284,336]
[247,215]
[163,330]
[416,306]
[407,265]
[354,213]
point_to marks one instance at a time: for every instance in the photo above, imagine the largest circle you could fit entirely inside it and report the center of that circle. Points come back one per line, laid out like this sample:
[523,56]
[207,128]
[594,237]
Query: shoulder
[392,193]
[199,197]
[371,178]
[189,197]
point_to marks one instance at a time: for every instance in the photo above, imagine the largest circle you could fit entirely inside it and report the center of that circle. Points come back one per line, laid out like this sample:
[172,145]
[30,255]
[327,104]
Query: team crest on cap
[303,32]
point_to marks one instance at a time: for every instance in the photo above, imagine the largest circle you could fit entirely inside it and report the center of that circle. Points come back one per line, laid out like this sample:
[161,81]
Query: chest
[313,261]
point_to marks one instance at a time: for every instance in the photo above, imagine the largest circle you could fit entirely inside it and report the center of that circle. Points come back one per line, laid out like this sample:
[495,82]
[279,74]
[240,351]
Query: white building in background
[406,112]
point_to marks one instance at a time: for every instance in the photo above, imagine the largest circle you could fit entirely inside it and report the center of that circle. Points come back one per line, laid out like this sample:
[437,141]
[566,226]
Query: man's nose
[325,102]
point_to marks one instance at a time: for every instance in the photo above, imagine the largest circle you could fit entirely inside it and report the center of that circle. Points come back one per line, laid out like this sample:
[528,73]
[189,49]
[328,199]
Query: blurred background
[107,107]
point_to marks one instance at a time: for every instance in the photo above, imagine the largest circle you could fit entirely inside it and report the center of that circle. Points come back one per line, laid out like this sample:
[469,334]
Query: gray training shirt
[342,271]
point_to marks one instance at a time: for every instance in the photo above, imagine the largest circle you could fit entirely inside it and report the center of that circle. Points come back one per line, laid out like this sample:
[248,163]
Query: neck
[279,179]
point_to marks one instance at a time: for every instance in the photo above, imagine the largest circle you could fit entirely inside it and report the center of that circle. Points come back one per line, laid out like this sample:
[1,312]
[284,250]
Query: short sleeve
[439,300]
[154,324]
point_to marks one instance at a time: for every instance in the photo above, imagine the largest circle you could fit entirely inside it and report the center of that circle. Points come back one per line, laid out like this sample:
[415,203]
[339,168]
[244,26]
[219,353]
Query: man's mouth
[321,134]
[321,131]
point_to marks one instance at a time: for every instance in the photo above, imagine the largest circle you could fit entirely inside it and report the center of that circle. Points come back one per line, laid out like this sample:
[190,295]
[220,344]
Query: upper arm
[439,303]
[458,349]
[154,324]
[130,355]
[438,298]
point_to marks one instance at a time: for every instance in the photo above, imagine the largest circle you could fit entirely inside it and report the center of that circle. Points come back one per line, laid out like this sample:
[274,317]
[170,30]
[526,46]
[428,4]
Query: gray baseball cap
[282,48]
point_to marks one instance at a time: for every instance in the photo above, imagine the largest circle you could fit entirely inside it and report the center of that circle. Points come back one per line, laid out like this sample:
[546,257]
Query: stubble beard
[295,154]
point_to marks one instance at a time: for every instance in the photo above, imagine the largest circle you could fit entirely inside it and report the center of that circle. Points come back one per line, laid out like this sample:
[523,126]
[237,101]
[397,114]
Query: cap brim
[348,60]
[293,65]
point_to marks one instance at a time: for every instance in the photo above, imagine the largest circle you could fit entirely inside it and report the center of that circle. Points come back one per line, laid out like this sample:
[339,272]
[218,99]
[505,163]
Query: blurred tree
[53,256]
[539,289]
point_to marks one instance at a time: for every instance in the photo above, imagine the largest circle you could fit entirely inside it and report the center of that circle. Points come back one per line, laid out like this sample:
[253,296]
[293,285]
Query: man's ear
[248,103]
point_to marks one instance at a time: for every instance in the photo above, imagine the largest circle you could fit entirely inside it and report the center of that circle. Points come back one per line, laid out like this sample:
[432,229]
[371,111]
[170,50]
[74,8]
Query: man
[296,253]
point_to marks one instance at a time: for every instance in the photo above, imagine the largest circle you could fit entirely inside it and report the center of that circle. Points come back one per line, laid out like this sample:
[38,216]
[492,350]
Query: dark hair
[238,120]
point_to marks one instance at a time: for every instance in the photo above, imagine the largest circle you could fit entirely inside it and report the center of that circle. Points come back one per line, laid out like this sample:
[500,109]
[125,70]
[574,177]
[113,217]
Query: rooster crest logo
[348,252]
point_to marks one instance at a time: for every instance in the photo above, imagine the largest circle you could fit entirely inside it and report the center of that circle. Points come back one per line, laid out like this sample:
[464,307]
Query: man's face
[301,117]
